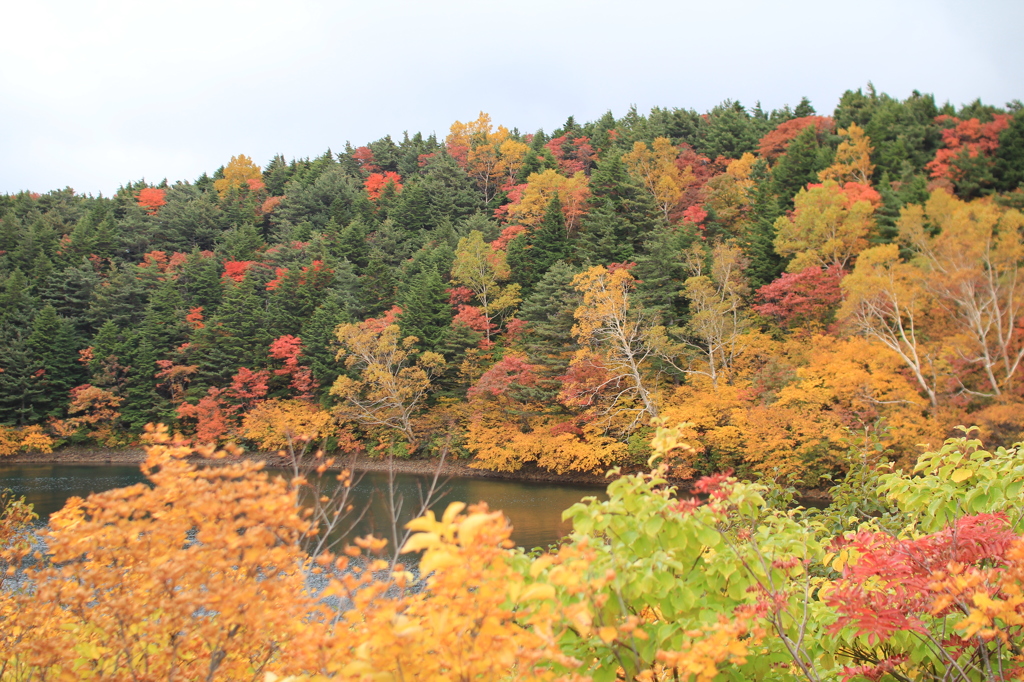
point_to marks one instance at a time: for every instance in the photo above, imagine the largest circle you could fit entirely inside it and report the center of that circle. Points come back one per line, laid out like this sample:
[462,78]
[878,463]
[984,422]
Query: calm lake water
[535,509]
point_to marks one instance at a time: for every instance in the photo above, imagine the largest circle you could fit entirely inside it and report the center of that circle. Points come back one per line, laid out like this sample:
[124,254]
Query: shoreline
[77,455]
[94,456]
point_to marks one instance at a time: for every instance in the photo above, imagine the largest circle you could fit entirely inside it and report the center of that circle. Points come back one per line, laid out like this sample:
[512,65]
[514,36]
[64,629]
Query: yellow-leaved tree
[969,255]
[23,439]
[196,575]
[886,300]
[490,156]
[718,320]
[241,171]
[611,371]
[481,269]
[853,158]
[276,424]
[393,378]
[536,196]
[829,226]
[656,169]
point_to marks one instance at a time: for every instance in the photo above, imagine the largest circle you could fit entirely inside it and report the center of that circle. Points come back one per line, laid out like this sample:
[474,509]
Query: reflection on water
[535,509]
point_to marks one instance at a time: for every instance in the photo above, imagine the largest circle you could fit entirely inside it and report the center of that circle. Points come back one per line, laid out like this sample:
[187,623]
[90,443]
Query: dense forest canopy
[776,280]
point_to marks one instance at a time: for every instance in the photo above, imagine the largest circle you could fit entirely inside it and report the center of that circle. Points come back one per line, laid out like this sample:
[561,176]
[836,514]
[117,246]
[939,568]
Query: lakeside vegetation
[775,280]
[203,575]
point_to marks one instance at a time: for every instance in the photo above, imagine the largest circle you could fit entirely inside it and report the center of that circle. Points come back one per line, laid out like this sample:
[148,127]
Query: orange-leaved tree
[198,575]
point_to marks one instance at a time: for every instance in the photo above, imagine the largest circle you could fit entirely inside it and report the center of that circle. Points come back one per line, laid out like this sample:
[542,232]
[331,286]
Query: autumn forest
[717,308]
[780,282]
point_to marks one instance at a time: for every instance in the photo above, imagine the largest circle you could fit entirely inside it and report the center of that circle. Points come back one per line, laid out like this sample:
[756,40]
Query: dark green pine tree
[353,247]
[162,331]
[121,299]
[426,313]
[20,391]
[276,175]
[803,160]
[41,273]
[285,311]
[241,242]
[521,263]
[550,240]
[758,240]
[621,215]
[108,367]
[662,272]
[453,193]
[53,348]
[82,238]
[1009,161]
[191,219]
[199,283]
[412,208]
[237,336]
[804,108]
[10,231]
[378,288]
[22,395]
[106,241]
[730,132]
[16,302]
[28,250]
[549,314]
[319,344]
[70,291]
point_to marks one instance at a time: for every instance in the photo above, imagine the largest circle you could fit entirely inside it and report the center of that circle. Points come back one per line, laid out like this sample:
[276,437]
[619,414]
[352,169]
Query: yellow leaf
[421,541]
[961,475]
[538,566]
[538,591]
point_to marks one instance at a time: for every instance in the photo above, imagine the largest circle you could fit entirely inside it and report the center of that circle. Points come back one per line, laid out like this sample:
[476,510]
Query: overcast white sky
[97,93]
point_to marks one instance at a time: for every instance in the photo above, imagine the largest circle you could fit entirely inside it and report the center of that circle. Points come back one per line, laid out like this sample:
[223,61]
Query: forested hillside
[777,280]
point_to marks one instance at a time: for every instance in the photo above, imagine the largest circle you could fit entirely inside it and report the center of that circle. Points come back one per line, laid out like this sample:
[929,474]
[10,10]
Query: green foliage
[958,479]
[665,568]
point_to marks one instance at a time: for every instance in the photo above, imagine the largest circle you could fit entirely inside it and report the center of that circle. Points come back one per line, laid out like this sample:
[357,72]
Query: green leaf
[708,536]
[654,525]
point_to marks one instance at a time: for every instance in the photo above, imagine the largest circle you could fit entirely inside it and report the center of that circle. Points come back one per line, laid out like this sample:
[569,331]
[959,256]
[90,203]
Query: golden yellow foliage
[656,169]
[968,255]
[238,173]
[24,439]
[474,619]
[853,158]
[501,444]
[198,577]
[393,378]
[540,188]
[825,228]
[618,340]
[276,424]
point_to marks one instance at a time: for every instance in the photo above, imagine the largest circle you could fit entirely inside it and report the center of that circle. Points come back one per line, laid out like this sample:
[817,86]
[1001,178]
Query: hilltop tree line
[775,280]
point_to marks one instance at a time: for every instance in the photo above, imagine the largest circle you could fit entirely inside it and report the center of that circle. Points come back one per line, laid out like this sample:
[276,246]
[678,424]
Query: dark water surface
[535,509]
